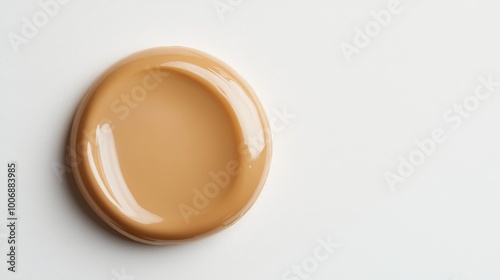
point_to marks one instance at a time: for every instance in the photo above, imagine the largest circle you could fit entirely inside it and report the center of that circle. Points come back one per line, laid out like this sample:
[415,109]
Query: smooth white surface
[352,121]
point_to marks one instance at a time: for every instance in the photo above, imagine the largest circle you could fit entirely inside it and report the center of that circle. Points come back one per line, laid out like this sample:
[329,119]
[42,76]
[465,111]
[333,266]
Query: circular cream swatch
[170,144]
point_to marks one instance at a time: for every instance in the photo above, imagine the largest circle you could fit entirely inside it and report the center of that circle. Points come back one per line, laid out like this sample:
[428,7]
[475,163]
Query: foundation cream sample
[170,144]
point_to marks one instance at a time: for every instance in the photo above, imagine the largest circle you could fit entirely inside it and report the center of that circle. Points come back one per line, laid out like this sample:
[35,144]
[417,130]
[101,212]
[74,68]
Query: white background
[352,122]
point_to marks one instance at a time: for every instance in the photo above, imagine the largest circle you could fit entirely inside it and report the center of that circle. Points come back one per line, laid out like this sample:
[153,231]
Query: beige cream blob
[171,144]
